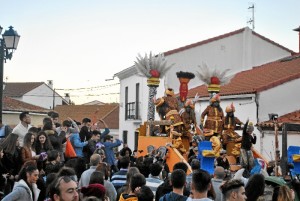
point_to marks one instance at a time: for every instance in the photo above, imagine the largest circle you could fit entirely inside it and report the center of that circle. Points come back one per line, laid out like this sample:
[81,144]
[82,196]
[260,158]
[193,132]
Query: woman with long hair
[42,145]
[25,188]
[11,160]
[28,150]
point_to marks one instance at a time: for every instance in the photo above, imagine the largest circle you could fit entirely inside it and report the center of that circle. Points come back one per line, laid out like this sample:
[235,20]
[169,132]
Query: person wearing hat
[213,124]
[231,140]
[188,117]
[97,190]
[168,106]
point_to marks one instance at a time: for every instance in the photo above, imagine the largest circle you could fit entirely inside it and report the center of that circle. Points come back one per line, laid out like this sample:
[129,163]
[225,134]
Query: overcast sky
[79,44]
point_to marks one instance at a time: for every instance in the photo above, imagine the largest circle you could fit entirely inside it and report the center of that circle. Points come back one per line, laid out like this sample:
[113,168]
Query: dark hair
[33,130]
[255,186]
[123,151]
[9,143]
[97,177]
[231,186]
[86,120]
[137,180]
[108,137]
[47,119]
[124,162]
[181,166]
[46,146]
[52,155]
[201,180]
[178,178]
[23,115]
[66,171]
[30,168]
[95,132]
[67,123]
[27,141]
[195,164]
[48,125]
[53,114]
[145,194]
[155,169]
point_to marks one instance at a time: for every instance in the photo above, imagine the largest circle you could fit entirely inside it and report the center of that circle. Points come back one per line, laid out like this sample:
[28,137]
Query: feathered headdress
[152,66]
[213,79]
[230,108]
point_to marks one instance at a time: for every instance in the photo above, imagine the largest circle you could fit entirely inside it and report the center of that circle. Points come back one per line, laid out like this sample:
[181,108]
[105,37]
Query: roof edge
[203,42]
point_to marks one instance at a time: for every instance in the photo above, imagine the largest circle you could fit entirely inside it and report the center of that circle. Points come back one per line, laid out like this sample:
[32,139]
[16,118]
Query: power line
[103,94]
[89,88]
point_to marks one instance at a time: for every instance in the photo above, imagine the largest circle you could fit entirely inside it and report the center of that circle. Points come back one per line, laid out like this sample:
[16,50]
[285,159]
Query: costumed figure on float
[167,107]
[212,116]
[231,140]
[187,112]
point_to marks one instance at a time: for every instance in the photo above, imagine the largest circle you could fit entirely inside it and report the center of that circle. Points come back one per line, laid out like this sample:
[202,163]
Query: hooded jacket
[127,197]
[22,192]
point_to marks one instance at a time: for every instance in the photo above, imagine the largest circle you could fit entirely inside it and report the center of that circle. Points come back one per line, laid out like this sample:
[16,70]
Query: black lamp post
[8,43]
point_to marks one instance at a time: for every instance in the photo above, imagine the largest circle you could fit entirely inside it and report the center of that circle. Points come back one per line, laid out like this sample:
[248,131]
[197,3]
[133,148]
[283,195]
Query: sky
[80,44]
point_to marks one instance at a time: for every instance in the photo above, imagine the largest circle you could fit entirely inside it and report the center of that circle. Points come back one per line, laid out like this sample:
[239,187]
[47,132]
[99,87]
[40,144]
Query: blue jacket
[109,150]
[173,197]
[77,144]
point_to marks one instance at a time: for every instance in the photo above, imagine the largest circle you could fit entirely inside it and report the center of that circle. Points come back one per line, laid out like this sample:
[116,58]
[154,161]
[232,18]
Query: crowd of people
[34,167]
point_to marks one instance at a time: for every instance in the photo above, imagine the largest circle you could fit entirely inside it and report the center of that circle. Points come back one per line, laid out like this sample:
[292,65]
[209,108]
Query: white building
[238,50]
[35,93]
[266,89]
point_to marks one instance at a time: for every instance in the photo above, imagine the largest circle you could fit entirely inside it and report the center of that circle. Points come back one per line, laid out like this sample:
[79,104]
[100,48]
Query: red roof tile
[10,104]
[293,117]
[108,112]
[221,37]
[18,89]
[259,78]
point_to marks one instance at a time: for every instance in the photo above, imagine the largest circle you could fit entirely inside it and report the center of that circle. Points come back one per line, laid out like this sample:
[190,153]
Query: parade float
[172,134]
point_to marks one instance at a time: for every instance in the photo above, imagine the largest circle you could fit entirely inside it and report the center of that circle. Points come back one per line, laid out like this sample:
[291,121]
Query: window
[125,133]
[130,110]
[126,102]
[137,100]
[136,138]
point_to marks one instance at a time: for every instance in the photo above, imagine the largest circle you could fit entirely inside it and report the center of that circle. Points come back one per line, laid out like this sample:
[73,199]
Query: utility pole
[251,21]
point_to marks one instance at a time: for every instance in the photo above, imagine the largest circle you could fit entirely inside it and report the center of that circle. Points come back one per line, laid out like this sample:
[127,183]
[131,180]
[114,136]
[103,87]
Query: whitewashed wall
[41,96]
[281,99]
[268,144]
[237,52]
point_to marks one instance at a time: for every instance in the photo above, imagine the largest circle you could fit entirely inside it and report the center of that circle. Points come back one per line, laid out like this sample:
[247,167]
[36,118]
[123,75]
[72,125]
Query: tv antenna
[251,21]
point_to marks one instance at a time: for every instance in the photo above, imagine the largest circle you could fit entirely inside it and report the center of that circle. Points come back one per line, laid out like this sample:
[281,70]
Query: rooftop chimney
[50,83]
[67,97]
[298,29]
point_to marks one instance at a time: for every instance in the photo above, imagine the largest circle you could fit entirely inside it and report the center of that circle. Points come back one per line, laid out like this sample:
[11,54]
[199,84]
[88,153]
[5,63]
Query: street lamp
[8,43]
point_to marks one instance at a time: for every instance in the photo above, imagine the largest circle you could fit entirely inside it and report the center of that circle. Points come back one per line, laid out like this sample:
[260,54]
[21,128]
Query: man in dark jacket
[90,148]
[178,178]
